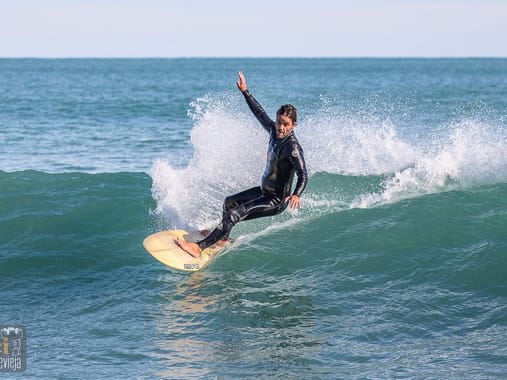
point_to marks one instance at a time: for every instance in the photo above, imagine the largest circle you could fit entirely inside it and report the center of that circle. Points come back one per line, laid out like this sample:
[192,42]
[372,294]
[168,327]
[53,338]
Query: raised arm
[254,105]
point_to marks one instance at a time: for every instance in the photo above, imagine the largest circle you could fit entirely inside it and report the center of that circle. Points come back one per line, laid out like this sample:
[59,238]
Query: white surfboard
[162,246]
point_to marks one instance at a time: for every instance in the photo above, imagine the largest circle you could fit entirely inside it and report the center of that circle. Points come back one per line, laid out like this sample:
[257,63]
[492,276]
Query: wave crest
[229,153]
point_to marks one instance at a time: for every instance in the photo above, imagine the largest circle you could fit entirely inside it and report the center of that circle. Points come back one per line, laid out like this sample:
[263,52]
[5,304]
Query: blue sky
[258,28]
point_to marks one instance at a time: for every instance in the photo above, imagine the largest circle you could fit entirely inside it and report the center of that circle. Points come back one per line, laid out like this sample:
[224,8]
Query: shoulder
[296,151]
[294,143]
[293,148]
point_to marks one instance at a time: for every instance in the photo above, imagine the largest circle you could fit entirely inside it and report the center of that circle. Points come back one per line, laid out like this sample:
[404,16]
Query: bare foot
[223,243]
[192,249]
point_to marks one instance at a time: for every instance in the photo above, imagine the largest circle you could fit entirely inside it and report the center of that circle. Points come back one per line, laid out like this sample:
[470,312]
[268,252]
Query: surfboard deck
[162,246]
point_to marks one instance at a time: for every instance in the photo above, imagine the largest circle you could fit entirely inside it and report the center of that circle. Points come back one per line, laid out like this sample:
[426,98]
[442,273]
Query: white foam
[230,146]
[228,156]
[472,154]
[348,145]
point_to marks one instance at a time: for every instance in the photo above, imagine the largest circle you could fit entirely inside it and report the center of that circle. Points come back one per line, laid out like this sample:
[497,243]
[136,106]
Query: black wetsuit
[284,159]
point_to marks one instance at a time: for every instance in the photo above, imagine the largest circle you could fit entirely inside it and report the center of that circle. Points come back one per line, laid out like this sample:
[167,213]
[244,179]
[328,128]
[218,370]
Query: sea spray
[229,146]
[227,155]
[473,154]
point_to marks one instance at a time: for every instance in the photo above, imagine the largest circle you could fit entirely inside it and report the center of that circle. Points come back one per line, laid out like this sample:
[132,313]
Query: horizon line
[265,57]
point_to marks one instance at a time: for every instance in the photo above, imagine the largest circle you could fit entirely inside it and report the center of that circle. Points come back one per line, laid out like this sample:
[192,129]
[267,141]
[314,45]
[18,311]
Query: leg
[194,249]
[261,206]
[237,199]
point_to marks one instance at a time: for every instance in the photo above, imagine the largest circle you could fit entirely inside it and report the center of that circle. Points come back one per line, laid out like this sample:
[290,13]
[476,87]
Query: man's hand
[242,82]
[294,202]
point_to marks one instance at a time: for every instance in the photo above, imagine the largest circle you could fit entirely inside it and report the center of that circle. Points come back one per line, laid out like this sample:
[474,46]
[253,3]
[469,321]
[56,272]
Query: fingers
[241,83]
[294,202]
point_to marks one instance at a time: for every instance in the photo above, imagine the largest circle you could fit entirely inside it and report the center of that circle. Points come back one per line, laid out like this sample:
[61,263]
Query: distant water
[395,267]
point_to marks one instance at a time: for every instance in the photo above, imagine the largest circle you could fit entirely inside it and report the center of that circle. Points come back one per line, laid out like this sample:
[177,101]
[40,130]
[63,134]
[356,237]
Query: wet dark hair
[288,110]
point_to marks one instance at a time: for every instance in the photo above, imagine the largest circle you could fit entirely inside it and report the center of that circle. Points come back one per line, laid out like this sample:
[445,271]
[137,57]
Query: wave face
[332,289]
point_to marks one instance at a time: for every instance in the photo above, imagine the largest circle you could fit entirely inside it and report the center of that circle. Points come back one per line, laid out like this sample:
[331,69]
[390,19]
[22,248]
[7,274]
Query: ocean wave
[229,152]
[61,223]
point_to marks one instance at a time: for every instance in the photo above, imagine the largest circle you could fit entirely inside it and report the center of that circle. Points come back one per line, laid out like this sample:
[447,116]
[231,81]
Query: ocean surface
[394,268]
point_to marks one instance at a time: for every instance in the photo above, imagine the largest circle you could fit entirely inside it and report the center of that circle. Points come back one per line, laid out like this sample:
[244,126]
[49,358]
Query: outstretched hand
[241,83]
[294,202]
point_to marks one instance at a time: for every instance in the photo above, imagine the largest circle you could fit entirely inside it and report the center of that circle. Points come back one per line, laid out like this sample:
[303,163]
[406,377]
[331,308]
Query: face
[284,126]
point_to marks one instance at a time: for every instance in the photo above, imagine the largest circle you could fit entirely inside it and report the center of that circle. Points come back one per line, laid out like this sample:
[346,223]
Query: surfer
[284,159]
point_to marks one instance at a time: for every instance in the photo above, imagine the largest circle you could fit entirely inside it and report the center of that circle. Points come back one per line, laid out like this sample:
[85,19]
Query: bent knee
[234,215]
[229,203]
